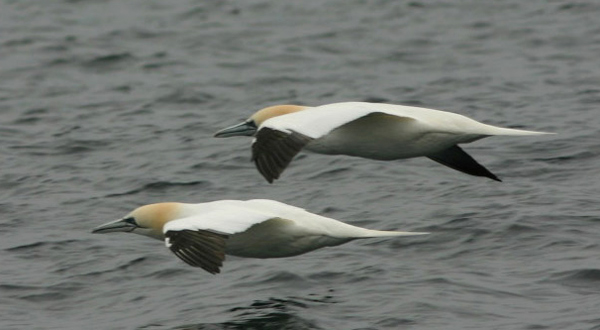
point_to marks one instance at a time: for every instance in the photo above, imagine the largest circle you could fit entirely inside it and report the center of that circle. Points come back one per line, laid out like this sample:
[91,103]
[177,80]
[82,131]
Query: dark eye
[130,220]
[251,123]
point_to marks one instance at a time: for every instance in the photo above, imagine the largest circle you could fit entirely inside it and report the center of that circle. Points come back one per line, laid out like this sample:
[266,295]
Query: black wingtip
[262,172]
[456,158]
[273,150]
[269,180]
[493,177]
[482,171]
[198,248]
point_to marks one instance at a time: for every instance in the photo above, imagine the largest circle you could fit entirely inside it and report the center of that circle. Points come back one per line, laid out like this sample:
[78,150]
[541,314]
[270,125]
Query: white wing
[228,221]
[319,121]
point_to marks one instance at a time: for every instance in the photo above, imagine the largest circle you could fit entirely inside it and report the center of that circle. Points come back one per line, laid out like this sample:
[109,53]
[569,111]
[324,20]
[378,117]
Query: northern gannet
[369,130]
[201,234]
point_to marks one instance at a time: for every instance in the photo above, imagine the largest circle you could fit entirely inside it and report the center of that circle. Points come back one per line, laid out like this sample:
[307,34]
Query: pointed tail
[386,233]
[495,130]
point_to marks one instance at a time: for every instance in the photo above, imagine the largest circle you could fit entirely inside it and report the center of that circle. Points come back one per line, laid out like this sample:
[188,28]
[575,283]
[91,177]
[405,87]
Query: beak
[114,226]
[247,128]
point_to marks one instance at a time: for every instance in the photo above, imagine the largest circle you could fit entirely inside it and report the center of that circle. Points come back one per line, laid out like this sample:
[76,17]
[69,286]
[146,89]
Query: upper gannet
[201,234]
[370,130]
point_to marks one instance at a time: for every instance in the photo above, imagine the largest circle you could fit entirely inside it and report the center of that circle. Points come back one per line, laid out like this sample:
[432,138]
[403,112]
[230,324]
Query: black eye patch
[130,220]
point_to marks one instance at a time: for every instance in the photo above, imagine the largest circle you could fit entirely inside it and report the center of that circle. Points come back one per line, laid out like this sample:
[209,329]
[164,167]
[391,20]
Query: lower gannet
[369,130]
[201,234]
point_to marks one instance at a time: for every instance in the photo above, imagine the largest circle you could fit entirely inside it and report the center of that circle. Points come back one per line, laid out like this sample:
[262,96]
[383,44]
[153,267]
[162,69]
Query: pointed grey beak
[121,225]
[247,128]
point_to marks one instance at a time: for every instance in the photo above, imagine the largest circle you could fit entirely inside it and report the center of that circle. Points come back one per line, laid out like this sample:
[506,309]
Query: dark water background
[108,105]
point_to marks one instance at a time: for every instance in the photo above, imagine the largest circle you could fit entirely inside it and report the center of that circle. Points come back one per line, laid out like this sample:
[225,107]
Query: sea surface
[109,105]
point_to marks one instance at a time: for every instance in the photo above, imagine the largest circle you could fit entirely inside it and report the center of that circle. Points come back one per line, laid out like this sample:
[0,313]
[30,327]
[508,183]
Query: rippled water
[107,105]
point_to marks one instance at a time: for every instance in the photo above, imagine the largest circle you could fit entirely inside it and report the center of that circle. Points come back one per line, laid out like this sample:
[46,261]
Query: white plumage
[369,130]
[201,234]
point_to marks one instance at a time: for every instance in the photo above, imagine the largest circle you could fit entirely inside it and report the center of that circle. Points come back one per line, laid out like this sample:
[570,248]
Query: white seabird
[369,130]
[201,234]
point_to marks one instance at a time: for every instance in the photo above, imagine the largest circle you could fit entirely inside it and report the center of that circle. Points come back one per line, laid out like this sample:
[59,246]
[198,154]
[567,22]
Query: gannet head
[250,126]
[147,220]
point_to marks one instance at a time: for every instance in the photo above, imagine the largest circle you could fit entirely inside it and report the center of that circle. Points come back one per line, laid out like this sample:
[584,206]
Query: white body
[268,229]
[396,131]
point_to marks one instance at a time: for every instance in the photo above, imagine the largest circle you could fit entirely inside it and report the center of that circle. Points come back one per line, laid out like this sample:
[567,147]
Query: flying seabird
[369,130]
[201,234]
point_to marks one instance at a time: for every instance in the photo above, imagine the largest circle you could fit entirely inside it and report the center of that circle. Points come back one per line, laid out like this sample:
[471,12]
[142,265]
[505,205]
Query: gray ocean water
[108,105]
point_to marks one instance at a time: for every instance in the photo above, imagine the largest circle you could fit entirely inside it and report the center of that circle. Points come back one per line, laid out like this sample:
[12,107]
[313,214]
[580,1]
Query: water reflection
[270,314]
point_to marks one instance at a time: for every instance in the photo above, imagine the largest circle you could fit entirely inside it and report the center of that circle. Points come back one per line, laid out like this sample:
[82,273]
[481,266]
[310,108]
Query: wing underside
[198,248]
[273,150]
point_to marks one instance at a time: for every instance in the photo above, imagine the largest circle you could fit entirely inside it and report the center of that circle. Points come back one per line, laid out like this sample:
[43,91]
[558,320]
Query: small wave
[186,95]
[14,287]
[327,275]
[107,61]
[158,186]
[56,245]
[131,263]
[329,173]
[45,297]
[168,273]
[394,322]
[579,277]
[64,148]
[580,155]
[519,228]
[42,293]
[283,276]
[271,303]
